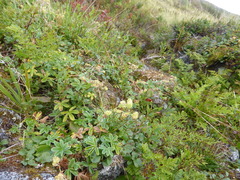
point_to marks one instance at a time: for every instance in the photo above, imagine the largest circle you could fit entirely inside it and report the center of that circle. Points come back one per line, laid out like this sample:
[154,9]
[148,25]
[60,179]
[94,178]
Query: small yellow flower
[96,83]
[125,114]
[108,113]
[117,111]
[129,104]
[55,161]
[122,104]
[135,115]
[60,176]
[90,95]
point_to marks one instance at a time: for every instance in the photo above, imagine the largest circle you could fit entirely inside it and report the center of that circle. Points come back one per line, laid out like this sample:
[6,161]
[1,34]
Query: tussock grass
[174,11]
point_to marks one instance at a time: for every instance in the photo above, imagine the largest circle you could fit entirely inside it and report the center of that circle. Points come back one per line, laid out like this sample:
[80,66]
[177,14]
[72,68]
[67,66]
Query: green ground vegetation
[78,76]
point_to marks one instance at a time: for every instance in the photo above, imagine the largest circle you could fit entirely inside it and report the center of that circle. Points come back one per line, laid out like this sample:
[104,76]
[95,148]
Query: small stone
[3,135]
[114,170]
[234,154]
[47,176]
[237,172]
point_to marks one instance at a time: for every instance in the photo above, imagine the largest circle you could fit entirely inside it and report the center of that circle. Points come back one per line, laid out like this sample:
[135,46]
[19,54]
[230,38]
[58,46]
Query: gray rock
[158,100]
[114,170]
[12,176]
[237,172]
[185,59]
[46,176]
[15,115]
[234,154]
[3,135]
[5,175]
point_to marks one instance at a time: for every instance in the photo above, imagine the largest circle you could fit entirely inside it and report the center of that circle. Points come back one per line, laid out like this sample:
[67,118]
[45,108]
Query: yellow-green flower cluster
[60,176]
[125,109]
[55,161]
[126,105]
[94,83]
[98,84]
[90,95]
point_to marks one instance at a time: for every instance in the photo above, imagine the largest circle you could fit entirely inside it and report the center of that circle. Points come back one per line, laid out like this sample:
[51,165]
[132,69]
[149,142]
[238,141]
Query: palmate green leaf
[50,139]
[90,150]
[44,157]
[72,108]
[65,104]
[74,111]
[118,148]
[95,158]
[107,162]
[93,146]
[74,166]
[137,162]
[112,139]
[44,128]
[69,114]
[108,151]
[128,148]
[65,118]
[37,139]
[59,105]
[61,148]
[71,117]
[43,148]
[64,112]
[30,162]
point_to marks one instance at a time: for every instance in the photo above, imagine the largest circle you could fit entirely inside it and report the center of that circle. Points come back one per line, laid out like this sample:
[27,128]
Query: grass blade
[9,95]
[4,107]
[16,84]
[27,85]
[13,92]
